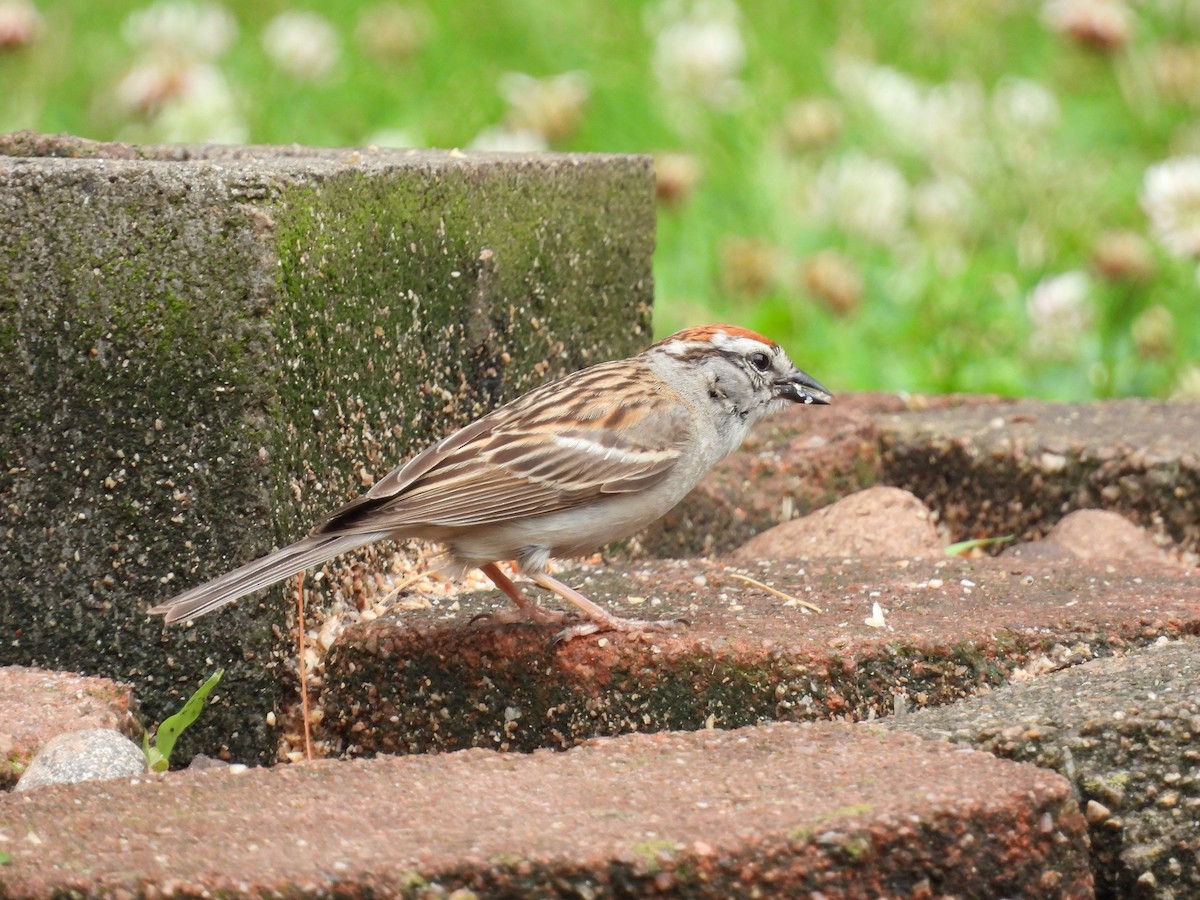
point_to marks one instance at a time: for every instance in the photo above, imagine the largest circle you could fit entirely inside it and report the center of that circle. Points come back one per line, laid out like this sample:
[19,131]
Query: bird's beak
[800,387]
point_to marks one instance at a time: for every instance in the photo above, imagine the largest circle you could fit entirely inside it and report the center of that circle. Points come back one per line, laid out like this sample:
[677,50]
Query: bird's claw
[538,615]
[615,623]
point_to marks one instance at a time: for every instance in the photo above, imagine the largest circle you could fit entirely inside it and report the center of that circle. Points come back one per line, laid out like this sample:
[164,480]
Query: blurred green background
[997,195]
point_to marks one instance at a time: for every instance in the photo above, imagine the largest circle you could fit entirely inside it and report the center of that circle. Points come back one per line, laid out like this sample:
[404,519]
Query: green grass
[940,311]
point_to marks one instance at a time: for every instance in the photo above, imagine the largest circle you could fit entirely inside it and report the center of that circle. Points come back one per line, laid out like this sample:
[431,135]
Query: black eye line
[742,358]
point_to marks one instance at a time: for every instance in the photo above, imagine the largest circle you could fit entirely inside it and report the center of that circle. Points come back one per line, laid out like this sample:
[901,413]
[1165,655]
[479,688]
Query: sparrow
[557,473]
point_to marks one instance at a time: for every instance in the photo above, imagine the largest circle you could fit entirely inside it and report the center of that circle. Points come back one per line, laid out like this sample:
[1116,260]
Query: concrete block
[204,349]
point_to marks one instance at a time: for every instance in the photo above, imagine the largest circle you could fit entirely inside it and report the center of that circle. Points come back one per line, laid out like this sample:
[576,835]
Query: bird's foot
[598,619]
[514,615]
[609,622]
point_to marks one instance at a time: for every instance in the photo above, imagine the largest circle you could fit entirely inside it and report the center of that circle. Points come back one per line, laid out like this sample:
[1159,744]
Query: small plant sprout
[962,548]
[158,757]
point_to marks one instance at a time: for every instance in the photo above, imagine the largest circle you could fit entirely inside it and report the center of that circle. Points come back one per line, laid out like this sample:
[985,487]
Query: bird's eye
[761,361]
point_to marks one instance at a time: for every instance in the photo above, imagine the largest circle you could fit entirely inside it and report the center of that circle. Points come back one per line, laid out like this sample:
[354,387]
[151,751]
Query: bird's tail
[305,553]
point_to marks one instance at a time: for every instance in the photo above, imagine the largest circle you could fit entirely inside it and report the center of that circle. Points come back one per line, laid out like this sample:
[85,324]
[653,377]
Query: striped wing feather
[555,448]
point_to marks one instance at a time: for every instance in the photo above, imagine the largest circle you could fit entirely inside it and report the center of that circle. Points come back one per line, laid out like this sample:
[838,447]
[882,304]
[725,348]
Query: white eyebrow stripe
[568,442]
[738,343]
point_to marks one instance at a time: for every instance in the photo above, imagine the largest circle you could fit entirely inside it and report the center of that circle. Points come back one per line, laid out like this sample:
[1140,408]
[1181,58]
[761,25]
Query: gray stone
[93,754]
[36,705]
[1126,732]
[205,349]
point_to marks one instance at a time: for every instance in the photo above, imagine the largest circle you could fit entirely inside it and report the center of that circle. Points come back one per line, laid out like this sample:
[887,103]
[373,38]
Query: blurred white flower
[506,140]
[1171,198]
[302,44]
[394,138]
[945,206]
[184,102]
[552,107]
[676,176]
[953,118]
[863,196]
[393,32]
[200,30]
[173,84]
[1103,24]
[1024,105]
[1187,387]
[811,123]
[206,112]
[1154,332]
[1060,311]
[698,50]
[20,24]
[944,121]
[891,96]
[151,82]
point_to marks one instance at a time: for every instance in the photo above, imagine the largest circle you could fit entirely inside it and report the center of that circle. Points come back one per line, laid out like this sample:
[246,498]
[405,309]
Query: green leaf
[5,858]
[154,759]
[158,757]
[964,546]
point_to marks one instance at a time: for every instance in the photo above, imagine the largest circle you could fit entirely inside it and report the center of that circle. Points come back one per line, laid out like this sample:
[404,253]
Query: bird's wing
[557,447]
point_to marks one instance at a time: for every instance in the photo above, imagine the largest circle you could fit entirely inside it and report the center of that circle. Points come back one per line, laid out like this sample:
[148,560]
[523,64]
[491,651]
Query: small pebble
[1096,812]
[92,754]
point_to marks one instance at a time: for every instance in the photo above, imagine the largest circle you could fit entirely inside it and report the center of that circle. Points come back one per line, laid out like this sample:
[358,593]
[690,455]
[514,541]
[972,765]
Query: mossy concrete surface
[204,349]
[1126,732]
[1017,467]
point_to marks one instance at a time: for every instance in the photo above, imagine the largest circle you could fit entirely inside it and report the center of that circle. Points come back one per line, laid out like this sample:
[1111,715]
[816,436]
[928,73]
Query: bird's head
[742,368]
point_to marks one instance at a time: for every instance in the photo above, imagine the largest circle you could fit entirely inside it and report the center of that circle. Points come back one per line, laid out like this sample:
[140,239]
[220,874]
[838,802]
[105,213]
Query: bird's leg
[599,619]
[530,610]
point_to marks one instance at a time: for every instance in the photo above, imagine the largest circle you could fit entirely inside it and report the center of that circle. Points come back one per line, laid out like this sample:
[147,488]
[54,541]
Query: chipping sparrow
[563,470]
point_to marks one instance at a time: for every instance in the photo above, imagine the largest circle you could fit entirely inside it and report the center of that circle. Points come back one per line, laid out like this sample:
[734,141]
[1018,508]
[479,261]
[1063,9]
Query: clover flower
[1171,198]
[699,50]
[202,31]
[393,32]
[1024,105]
[20,24]
[302,44]
[1100,24]
[508,140]
[676,176]
[1060,311]
[552,107]
[863,196]
[1187,385]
